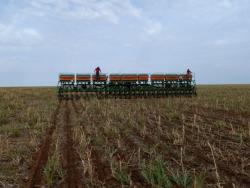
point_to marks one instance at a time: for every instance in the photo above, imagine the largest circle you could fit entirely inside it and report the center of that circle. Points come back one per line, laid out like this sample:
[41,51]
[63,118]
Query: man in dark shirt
[97,73]
[189,72]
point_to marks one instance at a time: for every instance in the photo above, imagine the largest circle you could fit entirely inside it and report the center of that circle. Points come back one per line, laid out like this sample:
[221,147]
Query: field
[162,142]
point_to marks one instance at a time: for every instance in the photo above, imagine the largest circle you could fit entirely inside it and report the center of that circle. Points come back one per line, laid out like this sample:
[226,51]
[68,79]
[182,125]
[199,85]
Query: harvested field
[155,142]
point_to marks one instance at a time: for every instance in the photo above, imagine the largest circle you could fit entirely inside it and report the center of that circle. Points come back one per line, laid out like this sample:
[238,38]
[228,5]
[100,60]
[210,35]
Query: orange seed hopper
[129,77]
[66,77]
[157,77]
[83,78]
[143,77]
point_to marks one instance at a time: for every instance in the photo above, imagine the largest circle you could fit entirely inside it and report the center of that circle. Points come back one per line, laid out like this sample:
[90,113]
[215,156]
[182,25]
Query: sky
[41,38]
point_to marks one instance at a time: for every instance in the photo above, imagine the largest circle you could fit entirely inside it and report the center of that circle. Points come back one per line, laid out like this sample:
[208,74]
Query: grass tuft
[182,179]
[154,173]
[122,176]
[53,170]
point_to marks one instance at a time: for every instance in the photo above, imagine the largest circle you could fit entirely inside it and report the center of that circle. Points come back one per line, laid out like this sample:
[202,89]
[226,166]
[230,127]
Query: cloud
[109,10]
[11,35]
[113,11]
[153,28]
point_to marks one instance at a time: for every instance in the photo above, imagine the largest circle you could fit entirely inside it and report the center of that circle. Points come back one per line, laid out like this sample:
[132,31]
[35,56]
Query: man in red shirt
[189,72]
[97,73]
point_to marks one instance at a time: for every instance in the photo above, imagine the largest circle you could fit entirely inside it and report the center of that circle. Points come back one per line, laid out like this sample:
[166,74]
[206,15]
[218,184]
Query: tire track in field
[35,177]
[102,171]
[75,107]
[70,160]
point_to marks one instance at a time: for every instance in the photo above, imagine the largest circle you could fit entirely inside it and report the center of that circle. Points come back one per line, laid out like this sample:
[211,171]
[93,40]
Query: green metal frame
[127,89]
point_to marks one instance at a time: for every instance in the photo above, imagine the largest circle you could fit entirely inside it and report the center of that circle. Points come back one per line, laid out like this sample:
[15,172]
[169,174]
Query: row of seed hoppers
[125,85]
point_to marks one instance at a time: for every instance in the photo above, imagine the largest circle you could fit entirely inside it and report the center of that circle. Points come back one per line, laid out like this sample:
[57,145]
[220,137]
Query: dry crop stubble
[136,142]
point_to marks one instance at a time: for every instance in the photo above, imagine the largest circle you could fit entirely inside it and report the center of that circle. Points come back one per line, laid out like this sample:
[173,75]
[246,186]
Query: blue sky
[41,38]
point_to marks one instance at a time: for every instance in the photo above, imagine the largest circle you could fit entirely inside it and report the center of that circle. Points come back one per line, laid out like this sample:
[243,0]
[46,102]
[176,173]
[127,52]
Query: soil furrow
[75,107]
[219,112]
[70,159]
[215,118]
[199,154]
[43,153]
[240,177]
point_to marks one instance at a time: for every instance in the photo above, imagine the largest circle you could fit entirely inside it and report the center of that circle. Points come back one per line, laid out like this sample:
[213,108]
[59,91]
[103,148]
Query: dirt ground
[197,142]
